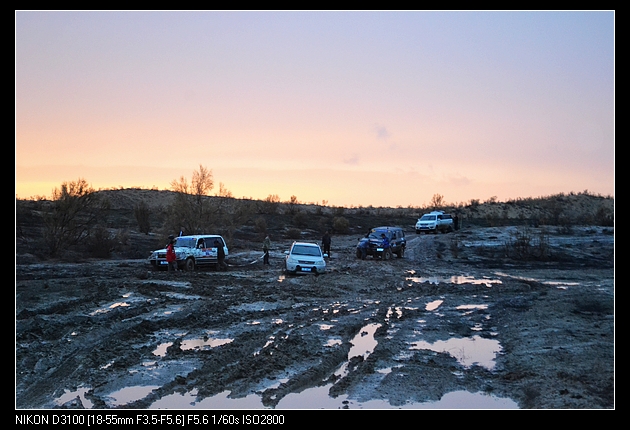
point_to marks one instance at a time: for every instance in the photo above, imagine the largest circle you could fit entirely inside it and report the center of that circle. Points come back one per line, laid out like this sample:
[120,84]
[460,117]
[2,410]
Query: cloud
[382,132]
[353,160]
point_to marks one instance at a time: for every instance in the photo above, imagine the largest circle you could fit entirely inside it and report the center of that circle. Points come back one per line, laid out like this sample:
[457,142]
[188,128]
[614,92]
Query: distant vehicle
[433,222]
[373,242]
[191,251]
[304,257]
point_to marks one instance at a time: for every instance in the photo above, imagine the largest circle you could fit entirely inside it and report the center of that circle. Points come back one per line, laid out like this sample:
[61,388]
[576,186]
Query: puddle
[219,401]
[364,342]
[202,343]
[333,342]
[177,284]
[318,398]
[458,280]
[160,351]
[468,351]
[71,395]
[431,306]
[562,285]
[130,394]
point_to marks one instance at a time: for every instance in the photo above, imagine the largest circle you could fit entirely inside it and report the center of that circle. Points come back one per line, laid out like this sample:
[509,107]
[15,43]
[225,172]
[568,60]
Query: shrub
[341,225]
[300,219]
[293,233]
[260,225]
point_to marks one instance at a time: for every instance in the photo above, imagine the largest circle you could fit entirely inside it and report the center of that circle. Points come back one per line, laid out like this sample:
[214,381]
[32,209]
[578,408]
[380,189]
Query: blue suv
[372,243]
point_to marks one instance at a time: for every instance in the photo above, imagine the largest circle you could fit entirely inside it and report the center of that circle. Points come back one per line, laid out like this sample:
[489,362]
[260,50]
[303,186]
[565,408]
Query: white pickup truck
[433,222]
[191,252]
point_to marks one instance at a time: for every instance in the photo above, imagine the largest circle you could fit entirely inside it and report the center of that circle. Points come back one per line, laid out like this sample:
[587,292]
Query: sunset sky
[353,108]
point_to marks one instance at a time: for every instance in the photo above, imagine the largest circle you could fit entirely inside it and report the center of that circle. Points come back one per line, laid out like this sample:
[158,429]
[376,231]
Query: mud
[455,323]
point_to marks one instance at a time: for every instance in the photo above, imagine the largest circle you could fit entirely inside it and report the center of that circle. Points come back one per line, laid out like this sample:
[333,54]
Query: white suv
[191,252]
[433,222]
[304,257]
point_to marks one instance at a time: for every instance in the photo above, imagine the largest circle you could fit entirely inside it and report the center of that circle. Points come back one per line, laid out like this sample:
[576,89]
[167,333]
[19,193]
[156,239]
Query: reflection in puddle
[160,351]
[202,343]
[319,398]
[453,280]
[364,342]
[130,394]
[431,306]
[220,401]
[71,395]
[333,342]
[468,351]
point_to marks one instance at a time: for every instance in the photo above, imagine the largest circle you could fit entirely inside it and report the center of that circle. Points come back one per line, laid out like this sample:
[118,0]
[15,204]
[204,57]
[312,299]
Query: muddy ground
[454,319]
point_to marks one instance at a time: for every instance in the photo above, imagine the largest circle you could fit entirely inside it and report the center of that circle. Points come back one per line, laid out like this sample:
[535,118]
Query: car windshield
[377,235]
[427,218]
[185,242]
[306,250]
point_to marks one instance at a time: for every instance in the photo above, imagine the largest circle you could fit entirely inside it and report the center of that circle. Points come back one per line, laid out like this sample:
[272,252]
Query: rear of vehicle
[304,257]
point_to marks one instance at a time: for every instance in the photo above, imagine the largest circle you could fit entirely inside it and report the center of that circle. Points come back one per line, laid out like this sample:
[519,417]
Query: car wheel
[401,253]
[190,265]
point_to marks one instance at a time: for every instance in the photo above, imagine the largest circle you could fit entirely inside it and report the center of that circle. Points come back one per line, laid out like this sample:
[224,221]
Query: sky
[354,108]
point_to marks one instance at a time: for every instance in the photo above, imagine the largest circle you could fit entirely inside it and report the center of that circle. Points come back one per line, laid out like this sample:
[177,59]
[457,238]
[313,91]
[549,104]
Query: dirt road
[452,324]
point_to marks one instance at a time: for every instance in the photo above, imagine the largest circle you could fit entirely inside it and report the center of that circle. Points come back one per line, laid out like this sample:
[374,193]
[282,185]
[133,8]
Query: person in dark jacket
[326,242]
[220,255]
[266,248]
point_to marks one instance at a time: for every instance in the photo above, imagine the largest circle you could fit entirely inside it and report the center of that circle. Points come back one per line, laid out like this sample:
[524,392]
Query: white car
[304,257]
[433,222]
[192,252]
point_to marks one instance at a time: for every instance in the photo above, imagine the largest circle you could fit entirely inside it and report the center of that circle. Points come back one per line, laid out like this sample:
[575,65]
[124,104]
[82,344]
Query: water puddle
[458,280]
[130,394]
[364,342]
[110,307]
[160,351]
[431,306]
[203,343]
[71,395]
[468,351]
[176,284]
[562,285]
[319,398]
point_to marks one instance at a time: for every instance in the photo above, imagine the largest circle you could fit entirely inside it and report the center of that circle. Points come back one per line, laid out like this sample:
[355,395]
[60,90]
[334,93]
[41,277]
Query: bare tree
[437,201]
[76,209]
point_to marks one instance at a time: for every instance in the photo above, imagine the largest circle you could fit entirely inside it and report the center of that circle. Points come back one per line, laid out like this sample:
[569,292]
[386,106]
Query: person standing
[326,243]
[386,248]
[266,248]
[171,257]
[220,255]
[363,246]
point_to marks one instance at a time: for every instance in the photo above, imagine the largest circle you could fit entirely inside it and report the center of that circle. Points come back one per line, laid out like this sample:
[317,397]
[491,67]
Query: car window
[306,250]
[186,242]
[210,241]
